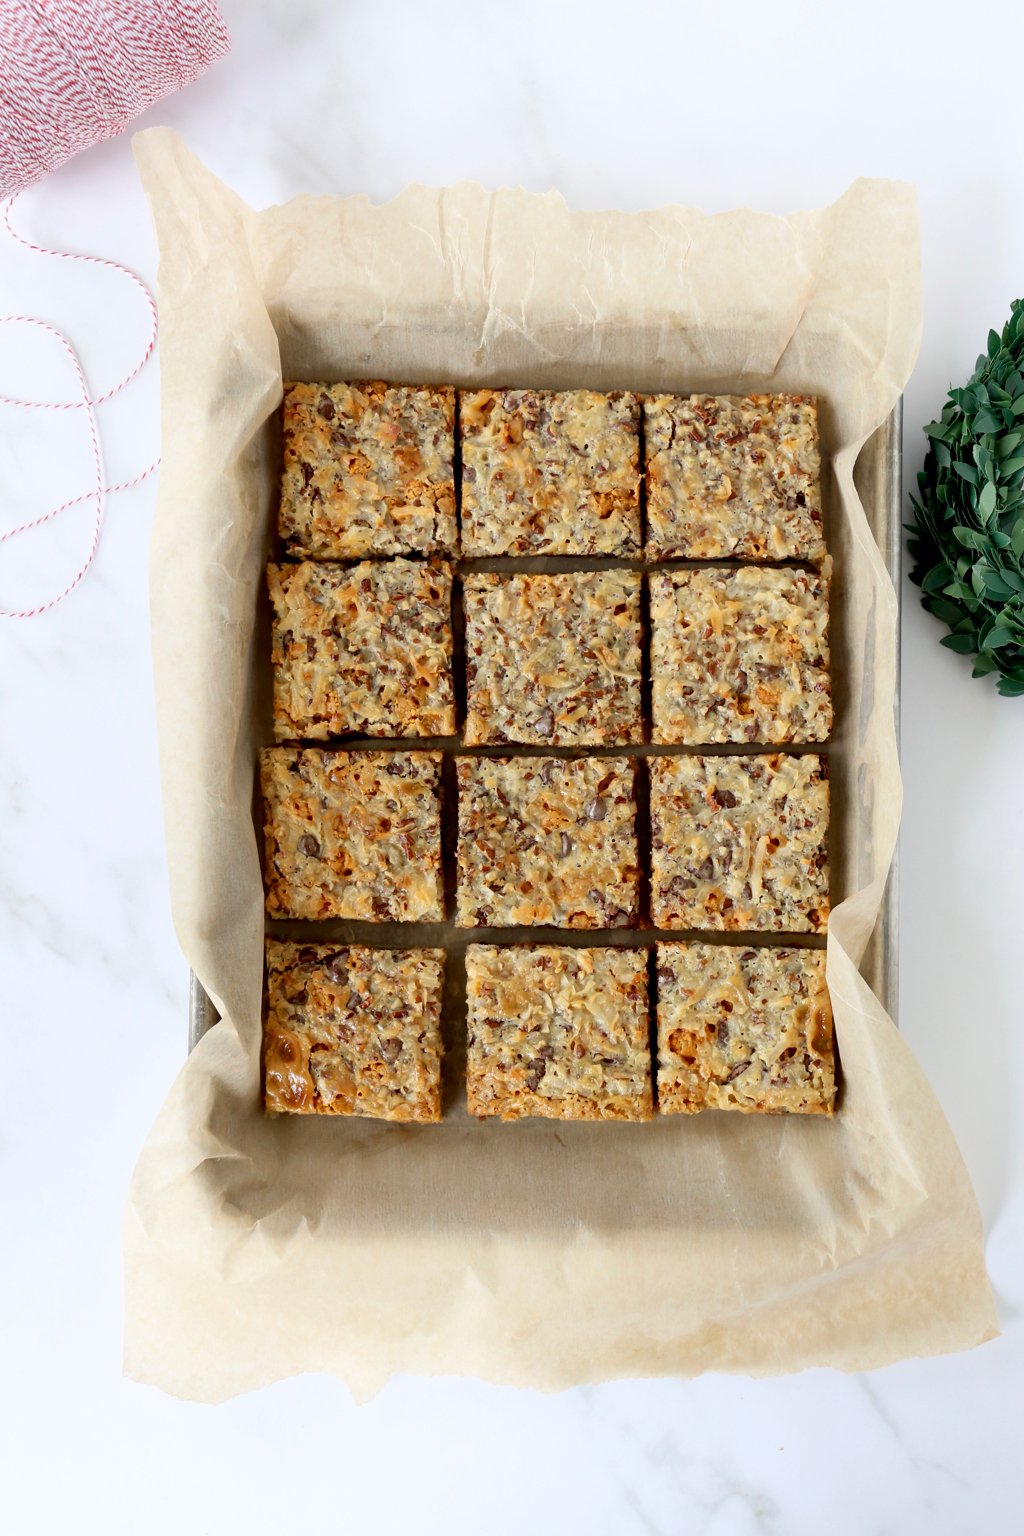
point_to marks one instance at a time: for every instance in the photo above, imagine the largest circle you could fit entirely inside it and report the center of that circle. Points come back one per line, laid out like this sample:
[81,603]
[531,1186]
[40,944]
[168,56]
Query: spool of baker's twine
[73,73]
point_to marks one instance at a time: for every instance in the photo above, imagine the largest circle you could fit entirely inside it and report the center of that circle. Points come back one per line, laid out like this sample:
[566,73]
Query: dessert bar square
[559,1033]
[547,473]
[733,476]
[353,1031]
[553,660]
[740,842]
[353,834]
[740,655]
[362,649]
[746,1029]
[368,470]
[547,840]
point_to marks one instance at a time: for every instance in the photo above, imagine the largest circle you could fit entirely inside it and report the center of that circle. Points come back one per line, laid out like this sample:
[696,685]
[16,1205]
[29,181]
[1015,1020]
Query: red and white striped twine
[72,73]
[84,402]
[75,72]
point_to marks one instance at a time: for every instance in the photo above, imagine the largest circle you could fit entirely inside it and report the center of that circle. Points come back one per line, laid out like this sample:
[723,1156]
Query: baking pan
[878,475]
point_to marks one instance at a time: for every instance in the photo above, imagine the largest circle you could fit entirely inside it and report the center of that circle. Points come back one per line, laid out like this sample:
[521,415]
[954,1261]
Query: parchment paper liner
[538,1253]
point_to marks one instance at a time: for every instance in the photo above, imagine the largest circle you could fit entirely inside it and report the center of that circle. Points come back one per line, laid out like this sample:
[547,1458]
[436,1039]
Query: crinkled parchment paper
[535,1253]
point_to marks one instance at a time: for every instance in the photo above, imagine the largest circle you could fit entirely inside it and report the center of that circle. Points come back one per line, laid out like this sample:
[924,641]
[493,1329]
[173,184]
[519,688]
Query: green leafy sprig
[967,537]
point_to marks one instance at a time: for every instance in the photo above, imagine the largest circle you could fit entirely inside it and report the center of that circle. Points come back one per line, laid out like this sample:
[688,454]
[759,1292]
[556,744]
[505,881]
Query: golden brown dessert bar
[353,834]
[740,655]
[353,1031]
[362,649]
[558,1033]
[740,842]
[553,660]
[547,840]
[368,470]
[733,476]
[546,473]
[746,1029]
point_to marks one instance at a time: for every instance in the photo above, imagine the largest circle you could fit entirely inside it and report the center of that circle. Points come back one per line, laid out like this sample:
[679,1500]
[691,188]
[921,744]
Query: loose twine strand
[84,402]
[73,73]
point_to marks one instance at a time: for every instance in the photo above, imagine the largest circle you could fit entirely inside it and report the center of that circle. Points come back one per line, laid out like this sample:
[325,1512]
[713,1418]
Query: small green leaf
[996,637]
[984,665]
[994,343]
[949,613]
[962,644]
[1010,688]
[970,538]
[995,585]
[987,500]
[1018,406]
[986,421]
[936,578]
[968,471]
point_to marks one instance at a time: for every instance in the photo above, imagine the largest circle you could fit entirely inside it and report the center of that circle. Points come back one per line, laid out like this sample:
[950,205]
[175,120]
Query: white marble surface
[617,106]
